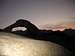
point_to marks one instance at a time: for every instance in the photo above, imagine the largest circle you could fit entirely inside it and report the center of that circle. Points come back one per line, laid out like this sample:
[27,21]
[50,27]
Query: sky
[39,12]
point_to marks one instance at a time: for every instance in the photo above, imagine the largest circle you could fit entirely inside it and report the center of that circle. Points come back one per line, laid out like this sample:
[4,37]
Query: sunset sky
[39,12]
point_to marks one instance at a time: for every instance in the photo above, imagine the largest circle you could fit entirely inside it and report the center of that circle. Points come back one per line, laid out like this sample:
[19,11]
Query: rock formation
[22,23]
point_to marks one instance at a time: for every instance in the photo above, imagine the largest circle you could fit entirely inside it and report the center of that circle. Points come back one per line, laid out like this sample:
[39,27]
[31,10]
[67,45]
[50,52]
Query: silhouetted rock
[27,24]
[22,23]
[1,30]
[64,38]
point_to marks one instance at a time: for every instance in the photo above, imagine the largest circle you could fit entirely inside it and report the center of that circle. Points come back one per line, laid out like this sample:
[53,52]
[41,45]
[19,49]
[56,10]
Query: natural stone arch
[22,23]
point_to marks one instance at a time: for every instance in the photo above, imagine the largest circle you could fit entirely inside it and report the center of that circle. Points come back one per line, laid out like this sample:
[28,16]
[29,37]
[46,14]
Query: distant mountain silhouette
[64,38]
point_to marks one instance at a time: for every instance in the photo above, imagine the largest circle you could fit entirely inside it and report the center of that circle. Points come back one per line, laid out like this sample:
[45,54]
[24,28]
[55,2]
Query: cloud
[59,26]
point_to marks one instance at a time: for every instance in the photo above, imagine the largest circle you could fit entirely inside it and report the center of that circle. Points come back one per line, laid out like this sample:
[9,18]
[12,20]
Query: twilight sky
[39,12]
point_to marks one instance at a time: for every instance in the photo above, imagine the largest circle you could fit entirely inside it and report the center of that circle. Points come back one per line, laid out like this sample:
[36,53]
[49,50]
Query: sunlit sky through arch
[39,12]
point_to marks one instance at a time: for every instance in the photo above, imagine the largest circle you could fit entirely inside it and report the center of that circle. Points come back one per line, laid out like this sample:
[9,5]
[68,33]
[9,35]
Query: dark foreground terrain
[64,38]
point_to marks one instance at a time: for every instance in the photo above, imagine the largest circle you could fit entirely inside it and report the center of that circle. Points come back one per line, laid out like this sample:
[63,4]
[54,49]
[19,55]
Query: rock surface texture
[14,45]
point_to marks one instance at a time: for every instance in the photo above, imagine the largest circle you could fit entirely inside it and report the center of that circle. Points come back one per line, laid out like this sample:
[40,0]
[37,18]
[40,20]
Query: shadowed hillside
[64,38]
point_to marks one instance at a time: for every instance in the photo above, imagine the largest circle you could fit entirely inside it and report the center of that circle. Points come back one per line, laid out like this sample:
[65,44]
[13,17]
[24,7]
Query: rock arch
[22,23]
